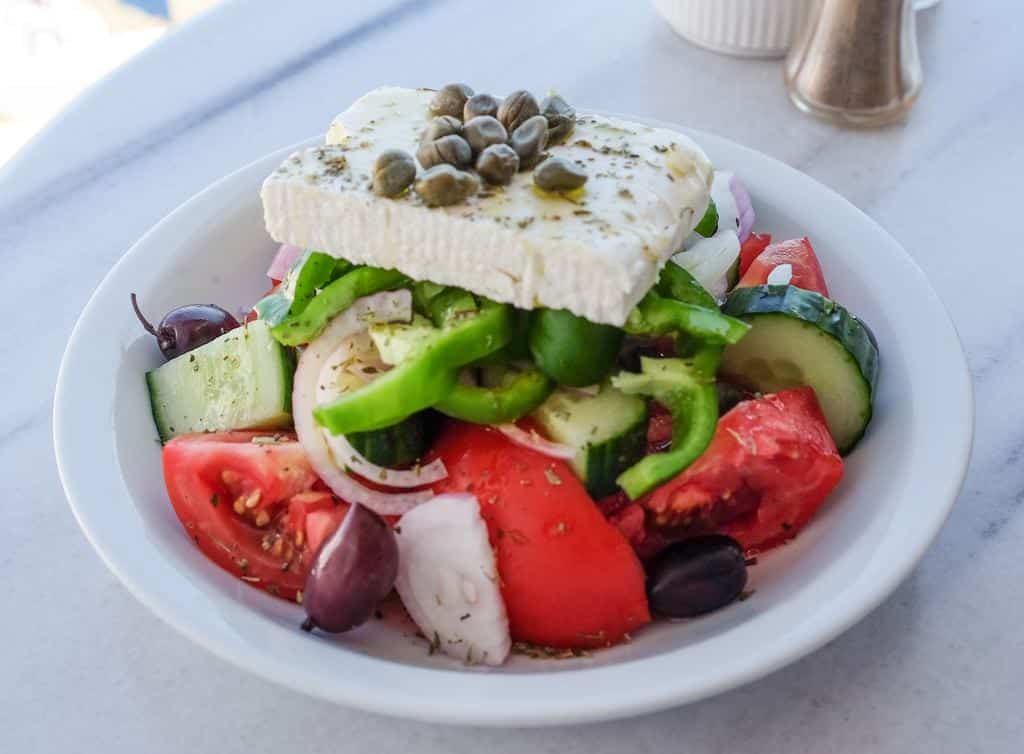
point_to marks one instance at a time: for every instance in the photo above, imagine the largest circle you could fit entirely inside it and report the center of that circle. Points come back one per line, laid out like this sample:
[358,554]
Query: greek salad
[533,370]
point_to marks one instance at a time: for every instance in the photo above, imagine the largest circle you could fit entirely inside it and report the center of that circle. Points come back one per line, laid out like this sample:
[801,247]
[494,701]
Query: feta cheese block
[594,251]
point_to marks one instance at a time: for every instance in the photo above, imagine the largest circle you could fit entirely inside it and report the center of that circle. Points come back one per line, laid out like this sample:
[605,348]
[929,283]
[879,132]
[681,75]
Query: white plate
[900,483]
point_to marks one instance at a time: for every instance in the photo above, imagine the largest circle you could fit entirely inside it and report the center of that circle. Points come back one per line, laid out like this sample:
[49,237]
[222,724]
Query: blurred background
[59,47]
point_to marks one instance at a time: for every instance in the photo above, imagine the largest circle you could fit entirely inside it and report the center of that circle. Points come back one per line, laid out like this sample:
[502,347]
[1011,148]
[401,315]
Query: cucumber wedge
[241,380]
[396,446]
[609,431]
[799,337]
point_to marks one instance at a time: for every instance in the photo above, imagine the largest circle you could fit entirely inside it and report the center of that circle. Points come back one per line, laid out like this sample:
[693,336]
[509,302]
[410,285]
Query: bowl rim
[449,701]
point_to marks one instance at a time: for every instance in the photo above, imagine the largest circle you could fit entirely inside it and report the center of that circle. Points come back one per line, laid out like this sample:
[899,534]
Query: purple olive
[353,571]
[696,576]
[187,327]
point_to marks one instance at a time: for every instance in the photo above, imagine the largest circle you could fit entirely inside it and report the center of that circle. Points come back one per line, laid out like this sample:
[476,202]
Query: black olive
[187,327]
[696,576]
[354,569]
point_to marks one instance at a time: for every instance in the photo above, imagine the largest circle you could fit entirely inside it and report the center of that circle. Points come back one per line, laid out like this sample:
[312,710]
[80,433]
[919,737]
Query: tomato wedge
[768,469]
[568,577]
[799,254]
[754,245]
[247,500]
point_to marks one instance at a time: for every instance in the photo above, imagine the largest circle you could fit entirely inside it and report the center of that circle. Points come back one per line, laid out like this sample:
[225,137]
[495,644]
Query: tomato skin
[798,253]
[754,245]
[206,473]
[568,577]
[768,469]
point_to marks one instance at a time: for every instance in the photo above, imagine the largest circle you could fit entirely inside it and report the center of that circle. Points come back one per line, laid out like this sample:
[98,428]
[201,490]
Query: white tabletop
[937,668]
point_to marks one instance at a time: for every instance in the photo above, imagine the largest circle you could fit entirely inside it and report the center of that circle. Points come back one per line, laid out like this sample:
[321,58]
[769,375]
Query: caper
[393,172]
[443,125]
[497,164]
[451,149]
[561,117]
[517,108]
[558,174]
[483,131]
[443,185]
[450,99]
[529,141]
[480,104]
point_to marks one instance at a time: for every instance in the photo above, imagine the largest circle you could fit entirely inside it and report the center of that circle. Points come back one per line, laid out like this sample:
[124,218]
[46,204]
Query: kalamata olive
[443,185]
[453,150]
[529,141]
[561,118]
[517,108]
[450,99]
[393,172]
[558,174]
[187,327]
[497,164]
[353,571]
[696,576]
[483,131]
[480,104]
[438,128]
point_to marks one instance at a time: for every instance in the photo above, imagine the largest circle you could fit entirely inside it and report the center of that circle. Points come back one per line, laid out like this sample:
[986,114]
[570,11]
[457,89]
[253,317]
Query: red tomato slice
[769,467]
[250,507]
[797,253]
[754,245]
[568,577]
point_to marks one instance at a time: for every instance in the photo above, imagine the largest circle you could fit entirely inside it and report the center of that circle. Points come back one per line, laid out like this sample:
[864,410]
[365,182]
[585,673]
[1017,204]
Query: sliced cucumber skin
[399,445]
[241,380]
[609,431]
[844,340]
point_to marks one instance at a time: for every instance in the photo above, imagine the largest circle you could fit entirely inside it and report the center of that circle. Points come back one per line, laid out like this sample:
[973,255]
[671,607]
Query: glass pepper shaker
[855,61]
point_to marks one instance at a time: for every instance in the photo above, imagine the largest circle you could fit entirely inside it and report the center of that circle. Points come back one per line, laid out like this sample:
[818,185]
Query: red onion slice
[283,261]
[389,306]
[744,207]
[530,439]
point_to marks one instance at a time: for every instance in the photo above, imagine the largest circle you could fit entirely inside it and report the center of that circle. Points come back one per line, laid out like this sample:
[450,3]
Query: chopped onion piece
[530,439]
[283,261]
[744,207]
[448,580]
[389,306]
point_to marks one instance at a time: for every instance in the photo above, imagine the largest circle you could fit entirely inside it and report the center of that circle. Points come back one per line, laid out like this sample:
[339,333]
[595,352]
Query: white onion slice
[744,207]
[283,261]
[533,441]
[389,306]
[448,580]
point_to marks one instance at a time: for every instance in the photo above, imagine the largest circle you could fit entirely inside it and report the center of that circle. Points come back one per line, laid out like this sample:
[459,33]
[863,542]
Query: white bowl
[900,483]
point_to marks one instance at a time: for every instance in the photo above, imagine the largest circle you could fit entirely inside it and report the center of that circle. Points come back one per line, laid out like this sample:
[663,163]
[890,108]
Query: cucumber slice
[241,380]
[800,337]
[396,446]
[609,431]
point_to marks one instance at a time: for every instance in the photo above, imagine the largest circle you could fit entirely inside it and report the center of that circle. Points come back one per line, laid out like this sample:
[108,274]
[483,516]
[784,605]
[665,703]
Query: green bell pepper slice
[309,273]
[426,378]
[572,350]
[655,316]
[517,397]
[708,224]
[686,387]
[677,283]
[338,296]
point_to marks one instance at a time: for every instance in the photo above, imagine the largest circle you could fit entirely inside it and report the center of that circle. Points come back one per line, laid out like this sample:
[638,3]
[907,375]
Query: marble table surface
[939,667]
